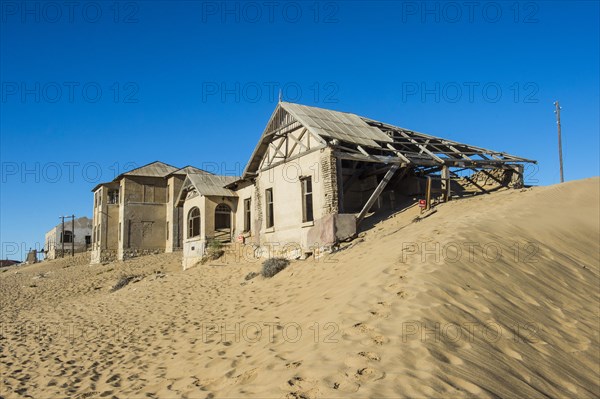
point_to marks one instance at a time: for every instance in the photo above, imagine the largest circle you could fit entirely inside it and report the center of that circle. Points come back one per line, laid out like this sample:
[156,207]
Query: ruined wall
[174,214]
[142,216]
[330,182]
[288,236]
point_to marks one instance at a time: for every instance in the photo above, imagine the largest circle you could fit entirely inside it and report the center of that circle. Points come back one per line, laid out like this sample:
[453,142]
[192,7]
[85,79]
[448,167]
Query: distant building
[136,213]
[80,238]
[8,262]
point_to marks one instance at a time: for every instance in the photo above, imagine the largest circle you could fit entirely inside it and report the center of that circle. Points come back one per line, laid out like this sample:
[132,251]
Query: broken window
[269,207]
[307,201]
[247,214]
[66,237]
[222,216]
[194,223]
[113,197]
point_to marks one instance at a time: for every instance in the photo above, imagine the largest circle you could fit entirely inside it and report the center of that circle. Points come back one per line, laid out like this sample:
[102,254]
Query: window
[168,193]
[66,237]
[88,240]
[167,230]
[307,202]
[119,232]
[269,207]
[247,215]
[148,193]
[222,216]
[113,197]
[194,223]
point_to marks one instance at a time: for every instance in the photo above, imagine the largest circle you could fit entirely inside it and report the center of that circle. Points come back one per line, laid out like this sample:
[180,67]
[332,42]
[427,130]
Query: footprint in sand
[293,365]
[302,389]
[370,356]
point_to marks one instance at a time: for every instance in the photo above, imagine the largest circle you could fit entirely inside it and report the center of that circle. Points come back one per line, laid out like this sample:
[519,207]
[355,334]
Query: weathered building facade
[76,237]
[211,213]
[135,214]
[315,174]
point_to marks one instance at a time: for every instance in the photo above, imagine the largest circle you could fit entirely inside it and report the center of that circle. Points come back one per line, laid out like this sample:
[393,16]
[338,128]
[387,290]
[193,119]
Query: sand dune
[492,296]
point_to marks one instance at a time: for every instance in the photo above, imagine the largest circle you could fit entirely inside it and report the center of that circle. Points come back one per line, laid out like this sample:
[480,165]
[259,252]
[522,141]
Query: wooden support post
[445,183]
[388,176]
[428,194]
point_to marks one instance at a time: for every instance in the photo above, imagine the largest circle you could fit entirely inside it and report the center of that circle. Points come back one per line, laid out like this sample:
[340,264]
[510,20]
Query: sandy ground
[492,296]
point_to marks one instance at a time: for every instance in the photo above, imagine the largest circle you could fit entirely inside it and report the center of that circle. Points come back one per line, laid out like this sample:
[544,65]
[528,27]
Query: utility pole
[72,235]
[560,157]
[62,238]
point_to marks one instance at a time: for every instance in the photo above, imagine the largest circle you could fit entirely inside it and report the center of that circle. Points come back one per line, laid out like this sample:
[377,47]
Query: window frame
[269,208]
[191,223]
[247,214]
[308,212]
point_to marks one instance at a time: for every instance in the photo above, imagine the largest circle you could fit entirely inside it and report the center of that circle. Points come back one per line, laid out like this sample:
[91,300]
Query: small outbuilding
[72,236]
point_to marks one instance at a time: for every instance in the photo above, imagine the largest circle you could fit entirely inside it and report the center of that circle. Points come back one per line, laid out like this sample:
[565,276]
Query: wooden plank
[281,128]
[297,141]
[398,153]
[431,154]
[446,184]
[369,158]
[362,150]
[267,167]
[376,193]
[428,194]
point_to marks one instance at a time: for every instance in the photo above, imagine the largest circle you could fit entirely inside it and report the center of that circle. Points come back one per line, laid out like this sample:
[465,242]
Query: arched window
[67,237]
[222,217]
[194,222]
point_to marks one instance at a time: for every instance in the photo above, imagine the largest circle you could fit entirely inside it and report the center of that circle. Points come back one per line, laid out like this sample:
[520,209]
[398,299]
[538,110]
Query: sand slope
[496,295]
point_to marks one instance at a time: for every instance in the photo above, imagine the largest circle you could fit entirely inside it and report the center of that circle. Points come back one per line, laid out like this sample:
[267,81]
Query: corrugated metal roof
[190,169]
[154,169]
[338,125]
[212,184]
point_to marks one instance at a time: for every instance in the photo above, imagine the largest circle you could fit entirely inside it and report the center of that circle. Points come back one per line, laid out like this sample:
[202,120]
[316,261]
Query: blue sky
[92,90]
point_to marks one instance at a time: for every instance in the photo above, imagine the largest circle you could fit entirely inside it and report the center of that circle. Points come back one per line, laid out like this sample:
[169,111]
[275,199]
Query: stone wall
[330,183]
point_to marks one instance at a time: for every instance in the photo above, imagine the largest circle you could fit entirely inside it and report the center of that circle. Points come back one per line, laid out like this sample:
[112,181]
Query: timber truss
[288,136]
[370,147]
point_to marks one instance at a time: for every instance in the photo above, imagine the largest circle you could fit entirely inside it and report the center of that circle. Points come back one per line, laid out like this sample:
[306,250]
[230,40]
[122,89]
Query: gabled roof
[336,125]
[359,138]
[153,169]
[207,185]
[189,169]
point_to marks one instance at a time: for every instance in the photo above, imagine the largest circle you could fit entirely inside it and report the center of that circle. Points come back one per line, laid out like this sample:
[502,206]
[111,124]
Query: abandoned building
[315,174]
[136,214]
[204,194]
[72,237]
